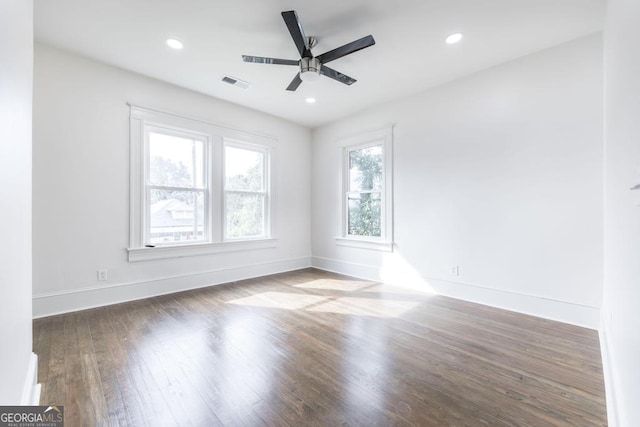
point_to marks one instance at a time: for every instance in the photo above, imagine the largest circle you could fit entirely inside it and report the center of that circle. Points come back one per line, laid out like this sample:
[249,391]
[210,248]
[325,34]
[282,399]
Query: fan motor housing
[309,69]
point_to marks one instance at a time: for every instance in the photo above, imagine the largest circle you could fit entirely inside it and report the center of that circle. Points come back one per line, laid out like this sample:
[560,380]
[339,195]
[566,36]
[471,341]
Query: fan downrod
[312,41]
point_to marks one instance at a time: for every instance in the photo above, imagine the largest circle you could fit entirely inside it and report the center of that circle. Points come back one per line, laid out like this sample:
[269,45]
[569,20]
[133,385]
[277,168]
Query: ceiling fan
[311,68]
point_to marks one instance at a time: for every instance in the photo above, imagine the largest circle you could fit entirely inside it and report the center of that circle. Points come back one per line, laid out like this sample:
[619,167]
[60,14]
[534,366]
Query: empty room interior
[334,213]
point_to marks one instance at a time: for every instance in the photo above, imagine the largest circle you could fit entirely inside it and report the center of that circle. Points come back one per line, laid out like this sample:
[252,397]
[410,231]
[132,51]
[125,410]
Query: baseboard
[609,377]
[31,389]
[97,296]
[562,311]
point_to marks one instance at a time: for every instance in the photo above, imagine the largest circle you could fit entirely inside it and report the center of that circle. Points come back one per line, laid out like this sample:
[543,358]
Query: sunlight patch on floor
[366,307]
[282,300]
[334,285]
[326,304]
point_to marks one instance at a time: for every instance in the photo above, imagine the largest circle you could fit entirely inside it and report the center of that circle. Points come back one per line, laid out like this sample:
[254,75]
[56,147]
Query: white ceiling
[409,55]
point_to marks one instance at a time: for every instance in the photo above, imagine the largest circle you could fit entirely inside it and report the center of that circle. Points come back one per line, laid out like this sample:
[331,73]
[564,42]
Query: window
[176,188]
[364,195]
[367,191]
[196,187]
[245,196]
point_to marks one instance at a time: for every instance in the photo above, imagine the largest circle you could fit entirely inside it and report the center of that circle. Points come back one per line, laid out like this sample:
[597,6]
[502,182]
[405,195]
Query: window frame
[142,119]
[384,242]
[148,186]
[348,191]
[266,188]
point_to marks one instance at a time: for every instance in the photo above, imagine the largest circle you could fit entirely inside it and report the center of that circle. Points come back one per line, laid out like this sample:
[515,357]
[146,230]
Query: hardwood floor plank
[54,365]
[118,369]
[317,349]
[42,340]
[90,384]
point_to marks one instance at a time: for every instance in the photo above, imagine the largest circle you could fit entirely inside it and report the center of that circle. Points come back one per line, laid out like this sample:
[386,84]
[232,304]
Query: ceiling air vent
[235,82]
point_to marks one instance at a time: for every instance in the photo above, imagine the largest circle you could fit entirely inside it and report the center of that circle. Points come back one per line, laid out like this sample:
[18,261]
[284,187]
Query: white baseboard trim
[31,389]
[562,311]
[53,303]
[609,377]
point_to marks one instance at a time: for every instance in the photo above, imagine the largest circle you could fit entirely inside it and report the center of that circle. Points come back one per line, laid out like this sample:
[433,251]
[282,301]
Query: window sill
[376,245]
[179,251]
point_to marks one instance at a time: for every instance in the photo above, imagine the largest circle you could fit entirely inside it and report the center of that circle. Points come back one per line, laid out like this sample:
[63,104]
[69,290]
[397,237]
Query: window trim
[382,137]
[216,136]
[195,249]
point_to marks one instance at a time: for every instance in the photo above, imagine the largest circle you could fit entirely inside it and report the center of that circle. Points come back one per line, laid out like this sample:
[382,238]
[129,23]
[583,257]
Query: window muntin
[364,195]
[176,188]
[245,191]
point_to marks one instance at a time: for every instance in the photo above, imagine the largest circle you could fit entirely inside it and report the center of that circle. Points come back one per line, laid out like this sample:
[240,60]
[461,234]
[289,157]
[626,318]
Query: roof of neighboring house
[163,214]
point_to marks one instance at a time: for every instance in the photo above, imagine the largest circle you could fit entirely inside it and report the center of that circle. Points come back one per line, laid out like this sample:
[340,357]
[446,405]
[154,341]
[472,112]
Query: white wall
[81,187]
[621,301]
[500,174]
[16,70]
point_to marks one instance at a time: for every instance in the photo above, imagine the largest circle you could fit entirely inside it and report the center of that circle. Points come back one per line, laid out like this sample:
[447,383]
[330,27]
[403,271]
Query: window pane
[245,215]
[175,161]
[244,169]
[364,214]
[176,216]
[365,169]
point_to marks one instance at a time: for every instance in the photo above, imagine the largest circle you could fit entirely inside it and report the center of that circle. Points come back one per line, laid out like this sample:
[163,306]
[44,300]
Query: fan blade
[263,60]
[295,29]
[347,49]
[336,75]
[295,83]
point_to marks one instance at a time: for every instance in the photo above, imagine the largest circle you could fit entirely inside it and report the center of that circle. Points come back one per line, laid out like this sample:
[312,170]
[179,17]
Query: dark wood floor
[312,348]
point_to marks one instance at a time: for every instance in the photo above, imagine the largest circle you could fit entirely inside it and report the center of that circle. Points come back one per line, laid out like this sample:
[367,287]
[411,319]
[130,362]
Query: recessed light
[310,100]
[175,44]
[454,38]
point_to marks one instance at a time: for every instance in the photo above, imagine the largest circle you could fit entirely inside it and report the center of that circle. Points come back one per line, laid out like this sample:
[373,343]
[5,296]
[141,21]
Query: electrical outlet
[455,270]
[103,275]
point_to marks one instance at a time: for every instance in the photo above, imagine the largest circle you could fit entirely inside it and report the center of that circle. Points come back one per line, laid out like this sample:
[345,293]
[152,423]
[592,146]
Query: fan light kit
[310,100]
[312,67]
